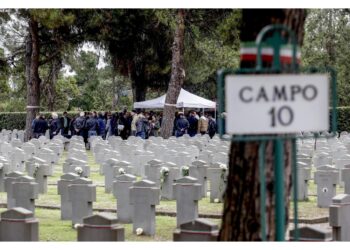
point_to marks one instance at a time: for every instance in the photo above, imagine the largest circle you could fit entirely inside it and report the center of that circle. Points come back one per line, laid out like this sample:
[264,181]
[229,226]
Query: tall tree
[32,74]
[177,75]
[241,212]
[41,25]
[326,44]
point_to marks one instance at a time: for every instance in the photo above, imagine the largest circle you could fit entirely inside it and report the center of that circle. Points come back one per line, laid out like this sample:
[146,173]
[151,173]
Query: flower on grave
[185,171]
[164,171]
[139,231]
[121,171]
[79,170]
[216,200]
[223,167]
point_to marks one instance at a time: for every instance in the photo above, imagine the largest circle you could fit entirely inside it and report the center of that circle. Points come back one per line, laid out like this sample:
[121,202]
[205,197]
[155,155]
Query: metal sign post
[249,96]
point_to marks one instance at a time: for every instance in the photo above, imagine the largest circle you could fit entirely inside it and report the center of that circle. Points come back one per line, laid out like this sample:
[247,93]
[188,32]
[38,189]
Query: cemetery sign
[273,104]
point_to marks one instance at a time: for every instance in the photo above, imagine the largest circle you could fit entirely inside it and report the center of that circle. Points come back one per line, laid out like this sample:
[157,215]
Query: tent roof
[185,100]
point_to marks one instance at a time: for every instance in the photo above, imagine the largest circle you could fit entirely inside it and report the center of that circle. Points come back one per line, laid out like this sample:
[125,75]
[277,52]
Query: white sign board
[272,104]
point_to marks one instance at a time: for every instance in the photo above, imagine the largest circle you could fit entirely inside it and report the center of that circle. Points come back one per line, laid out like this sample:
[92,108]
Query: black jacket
[40,126]
[55,126]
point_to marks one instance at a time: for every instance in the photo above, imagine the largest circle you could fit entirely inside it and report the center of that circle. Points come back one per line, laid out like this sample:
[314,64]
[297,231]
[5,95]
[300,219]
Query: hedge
[17,120]
[343,119]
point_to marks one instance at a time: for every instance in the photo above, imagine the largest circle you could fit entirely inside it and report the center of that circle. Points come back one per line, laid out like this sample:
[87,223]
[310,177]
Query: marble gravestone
[144,196]
[121,191]
[62,190]
[167,189]
[346,178]
[101,227]
[217,177]
[326,179]
[187,192]
[198,170]
[311,233]
[81,193]
[9,179]
[197,230]
[339,217]
[4,167]
[18,224]
[40,173]
[25,191]
[110,172]
[304,175]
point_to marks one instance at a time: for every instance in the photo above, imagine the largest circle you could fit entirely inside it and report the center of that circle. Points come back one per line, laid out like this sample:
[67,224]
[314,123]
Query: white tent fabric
[185,100]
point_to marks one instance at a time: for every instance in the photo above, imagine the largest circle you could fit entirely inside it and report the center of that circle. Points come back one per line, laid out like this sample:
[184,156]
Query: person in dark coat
[141,126]
[193,124]
[101,125]
[182,125]
[91,125]
[65,123]
[55,125]
[114,125]
[40,127]
[79,124]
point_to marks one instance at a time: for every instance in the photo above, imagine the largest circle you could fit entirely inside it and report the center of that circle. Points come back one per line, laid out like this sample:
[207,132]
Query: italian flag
[249,50]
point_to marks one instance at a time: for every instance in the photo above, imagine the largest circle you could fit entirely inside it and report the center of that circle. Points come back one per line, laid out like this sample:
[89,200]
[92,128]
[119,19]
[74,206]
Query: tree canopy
[130,59]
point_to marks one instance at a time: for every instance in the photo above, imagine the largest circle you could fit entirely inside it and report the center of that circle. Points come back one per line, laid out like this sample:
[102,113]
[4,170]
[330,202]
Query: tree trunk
[32,76]
[241,213]
[139,88]
[114,95]
[51,83]
[177,76]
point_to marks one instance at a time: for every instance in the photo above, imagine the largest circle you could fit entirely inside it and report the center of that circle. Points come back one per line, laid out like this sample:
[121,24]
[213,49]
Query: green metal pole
[279,189]
[262,190]
[221,103]
[295,188]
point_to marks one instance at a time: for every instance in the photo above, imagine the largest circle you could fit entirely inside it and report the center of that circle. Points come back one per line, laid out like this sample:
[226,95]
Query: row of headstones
[37,169]
[136,200]
[328,157]
[326,178]
[339,220]
[17,156]
[138,159]
[165,174]
[8,135]
[19,224]
[78,194]
[134,150]
[327,154]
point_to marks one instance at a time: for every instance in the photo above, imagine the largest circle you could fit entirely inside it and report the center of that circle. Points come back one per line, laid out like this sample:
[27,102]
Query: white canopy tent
[185,100]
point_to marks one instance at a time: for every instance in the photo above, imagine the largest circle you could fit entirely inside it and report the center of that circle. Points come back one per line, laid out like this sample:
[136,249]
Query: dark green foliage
[343,119]
[14,120]
[17,120]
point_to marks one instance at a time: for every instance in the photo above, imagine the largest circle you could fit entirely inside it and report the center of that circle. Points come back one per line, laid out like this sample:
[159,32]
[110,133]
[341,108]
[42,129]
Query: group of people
[123,124]
[194,124]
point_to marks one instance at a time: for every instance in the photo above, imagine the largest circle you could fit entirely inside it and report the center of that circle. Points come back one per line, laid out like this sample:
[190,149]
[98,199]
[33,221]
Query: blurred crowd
[123,124]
